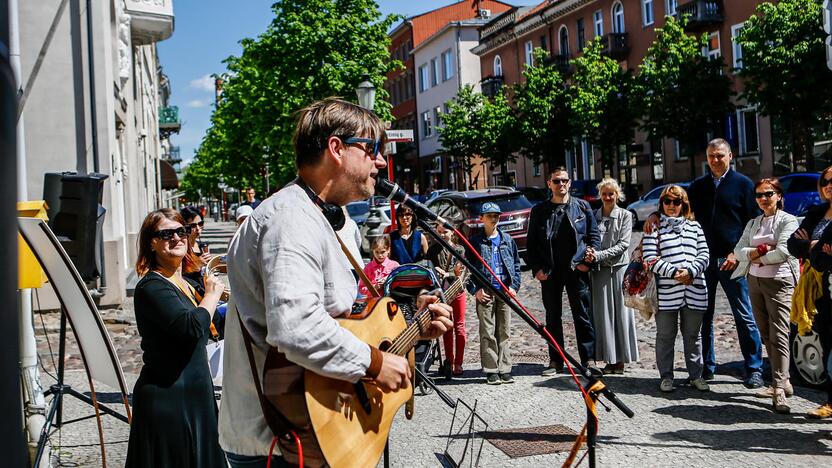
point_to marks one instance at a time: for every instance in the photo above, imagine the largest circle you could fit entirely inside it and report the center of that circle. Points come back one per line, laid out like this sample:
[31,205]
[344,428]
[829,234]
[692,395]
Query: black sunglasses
[376,144]
[668,202]
[823,182]
[559,181]
[193,225]
[767,194]
[167,234]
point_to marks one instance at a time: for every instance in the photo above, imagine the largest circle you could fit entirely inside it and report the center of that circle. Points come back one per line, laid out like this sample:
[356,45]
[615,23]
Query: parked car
[535,194]
[435,194]
[377,222]
[587,189]
[463,208]
[800,191]
[649,202]
[359,211]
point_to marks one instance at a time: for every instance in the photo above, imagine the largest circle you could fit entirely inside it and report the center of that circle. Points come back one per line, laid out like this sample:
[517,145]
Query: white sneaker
[667,385]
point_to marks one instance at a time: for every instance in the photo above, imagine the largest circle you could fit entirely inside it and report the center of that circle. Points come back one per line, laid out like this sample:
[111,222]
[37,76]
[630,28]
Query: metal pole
[92,97]
[267,179]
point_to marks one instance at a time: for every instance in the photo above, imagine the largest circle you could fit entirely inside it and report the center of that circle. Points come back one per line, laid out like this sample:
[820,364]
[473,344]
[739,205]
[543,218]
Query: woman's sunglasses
[823,182]
[767,194]
[668,202]
[167,234]
[194,225]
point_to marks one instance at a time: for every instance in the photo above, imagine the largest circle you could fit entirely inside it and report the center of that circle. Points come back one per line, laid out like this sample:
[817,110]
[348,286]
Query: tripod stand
[54,417]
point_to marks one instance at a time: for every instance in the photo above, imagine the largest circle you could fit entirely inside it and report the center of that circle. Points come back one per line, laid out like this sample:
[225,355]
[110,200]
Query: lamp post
[222,186]
[366,93]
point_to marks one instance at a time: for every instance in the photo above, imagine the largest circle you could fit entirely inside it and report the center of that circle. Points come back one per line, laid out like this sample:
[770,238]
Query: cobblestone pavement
[727,425]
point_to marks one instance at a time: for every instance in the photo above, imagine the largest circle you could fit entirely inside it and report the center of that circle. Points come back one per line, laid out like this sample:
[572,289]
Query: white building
[110,126]
[444,64]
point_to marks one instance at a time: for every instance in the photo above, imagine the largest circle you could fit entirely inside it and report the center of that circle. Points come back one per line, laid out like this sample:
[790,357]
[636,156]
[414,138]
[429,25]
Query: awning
[168,175]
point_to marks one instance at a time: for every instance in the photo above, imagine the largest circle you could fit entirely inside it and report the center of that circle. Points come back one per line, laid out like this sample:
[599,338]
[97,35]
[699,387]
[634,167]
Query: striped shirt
[680,244]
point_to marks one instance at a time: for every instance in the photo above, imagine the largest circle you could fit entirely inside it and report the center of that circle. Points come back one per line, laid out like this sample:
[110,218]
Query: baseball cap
[490,207]
[243,211]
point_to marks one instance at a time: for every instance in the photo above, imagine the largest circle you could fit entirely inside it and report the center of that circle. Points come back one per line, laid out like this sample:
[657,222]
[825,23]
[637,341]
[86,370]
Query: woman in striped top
[678,255]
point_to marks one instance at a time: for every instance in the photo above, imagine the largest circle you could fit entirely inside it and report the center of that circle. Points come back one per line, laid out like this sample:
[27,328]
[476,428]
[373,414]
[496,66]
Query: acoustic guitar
[344,424]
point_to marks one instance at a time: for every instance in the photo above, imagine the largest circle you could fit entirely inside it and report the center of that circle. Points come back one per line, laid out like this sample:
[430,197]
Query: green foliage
[311,50]
[543,112]
[682,94]
[602,108]
[784,68]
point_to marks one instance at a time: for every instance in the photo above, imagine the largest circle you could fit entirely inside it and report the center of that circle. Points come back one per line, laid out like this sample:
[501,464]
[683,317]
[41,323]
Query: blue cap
[490,207]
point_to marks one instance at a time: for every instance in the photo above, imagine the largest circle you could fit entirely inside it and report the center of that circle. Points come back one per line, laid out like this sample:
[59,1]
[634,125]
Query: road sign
[403,136]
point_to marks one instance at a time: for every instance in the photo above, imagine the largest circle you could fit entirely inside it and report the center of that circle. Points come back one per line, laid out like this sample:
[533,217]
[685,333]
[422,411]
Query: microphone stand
[594,386]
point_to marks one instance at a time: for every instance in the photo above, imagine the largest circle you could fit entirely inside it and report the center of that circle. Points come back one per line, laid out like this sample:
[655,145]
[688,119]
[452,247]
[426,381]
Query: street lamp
[366,93]
[222,186]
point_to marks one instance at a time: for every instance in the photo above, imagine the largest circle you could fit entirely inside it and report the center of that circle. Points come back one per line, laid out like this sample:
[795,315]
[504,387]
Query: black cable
[48,343]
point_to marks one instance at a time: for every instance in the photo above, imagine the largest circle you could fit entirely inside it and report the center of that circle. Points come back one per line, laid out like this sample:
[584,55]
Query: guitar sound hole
[384,345]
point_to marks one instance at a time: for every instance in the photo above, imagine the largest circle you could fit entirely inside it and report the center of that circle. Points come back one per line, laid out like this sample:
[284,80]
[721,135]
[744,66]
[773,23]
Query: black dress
[174,411]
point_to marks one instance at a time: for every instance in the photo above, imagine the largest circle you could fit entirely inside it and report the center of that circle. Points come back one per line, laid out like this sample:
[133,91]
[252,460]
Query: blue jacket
[539,255]
[508,255]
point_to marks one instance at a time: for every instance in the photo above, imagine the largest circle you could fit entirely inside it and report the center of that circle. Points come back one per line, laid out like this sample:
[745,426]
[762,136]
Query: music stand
[466,424]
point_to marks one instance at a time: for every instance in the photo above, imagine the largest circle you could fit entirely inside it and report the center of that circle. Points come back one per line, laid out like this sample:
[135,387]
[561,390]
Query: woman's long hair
[191,262]
[146,261]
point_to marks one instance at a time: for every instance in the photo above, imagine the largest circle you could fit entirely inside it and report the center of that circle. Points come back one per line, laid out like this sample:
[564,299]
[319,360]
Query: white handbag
[215,351]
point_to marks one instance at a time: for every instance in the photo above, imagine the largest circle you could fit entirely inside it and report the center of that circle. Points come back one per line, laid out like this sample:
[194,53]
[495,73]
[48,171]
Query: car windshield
[799,184]
[358,208]
[511,203]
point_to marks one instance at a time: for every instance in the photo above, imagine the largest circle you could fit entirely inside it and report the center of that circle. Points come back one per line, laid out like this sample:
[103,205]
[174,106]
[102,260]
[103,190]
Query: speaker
[78,218]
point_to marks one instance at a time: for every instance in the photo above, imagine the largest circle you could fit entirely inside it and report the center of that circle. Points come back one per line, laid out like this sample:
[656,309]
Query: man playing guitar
[290,278]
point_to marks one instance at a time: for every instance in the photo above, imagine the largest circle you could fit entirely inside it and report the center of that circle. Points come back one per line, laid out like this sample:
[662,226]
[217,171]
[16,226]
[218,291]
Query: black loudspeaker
[78,218]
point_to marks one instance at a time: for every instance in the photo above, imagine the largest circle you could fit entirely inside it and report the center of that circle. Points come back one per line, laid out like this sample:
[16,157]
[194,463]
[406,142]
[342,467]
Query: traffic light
[827,26]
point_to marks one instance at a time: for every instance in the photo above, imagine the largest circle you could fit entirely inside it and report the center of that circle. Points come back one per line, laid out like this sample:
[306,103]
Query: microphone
[393,192]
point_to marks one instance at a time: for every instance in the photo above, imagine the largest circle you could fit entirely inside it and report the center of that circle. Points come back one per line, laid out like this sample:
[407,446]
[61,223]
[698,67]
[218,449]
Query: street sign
[827,26]
[403,136]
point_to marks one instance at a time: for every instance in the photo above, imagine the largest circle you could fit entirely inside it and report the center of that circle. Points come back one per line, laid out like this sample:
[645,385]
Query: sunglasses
[374,144]
[668,202]
[167,234]
[193,225]
[559,181]
[767,194]
[823,182]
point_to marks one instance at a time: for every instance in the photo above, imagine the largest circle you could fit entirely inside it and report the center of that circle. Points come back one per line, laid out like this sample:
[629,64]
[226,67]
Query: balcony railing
[702,14]
[169,120]
[615,46]
[491,85]
[150,20]
[561,62]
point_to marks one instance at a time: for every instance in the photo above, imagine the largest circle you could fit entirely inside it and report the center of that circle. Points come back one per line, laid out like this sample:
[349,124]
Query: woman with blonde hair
[677,253]
[615,327]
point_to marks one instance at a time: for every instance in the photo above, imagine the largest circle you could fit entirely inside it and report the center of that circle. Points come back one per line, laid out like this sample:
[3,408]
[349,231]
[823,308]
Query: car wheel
[807,359]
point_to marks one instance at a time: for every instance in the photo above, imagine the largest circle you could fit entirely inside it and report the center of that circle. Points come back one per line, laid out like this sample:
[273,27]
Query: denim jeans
[749,335]
[247,461]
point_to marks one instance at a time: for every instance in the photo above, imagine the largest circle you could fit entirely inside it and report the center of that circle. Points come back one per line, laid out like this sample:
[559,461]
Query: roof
[481,193]
[475,23]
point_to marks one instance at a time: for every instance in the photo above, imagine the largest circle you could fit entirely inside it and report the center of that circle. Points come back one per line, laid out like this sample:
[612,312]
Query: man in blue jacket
[723,203]
[562,237]
[500,251]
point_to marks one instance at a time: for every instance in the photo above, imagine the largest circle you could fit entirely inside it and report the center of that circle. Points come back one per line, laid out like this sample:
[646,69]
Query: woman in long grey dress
[615,327]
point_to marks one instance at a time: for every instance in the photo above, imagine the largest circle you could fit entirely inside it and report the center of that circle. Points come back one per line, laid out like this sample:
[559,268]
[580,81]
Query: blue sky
[207,32]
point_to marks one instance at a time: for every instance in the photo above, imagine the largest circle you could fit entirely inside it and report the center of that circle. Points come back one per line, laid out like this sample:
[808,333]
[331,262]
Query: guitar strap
[358,269]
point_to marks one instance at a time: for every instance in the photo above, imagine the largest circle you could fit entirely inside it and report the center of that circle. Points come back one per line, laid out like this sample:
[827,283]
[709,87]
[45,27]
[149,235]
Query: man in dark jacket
[723,203]
[562,238]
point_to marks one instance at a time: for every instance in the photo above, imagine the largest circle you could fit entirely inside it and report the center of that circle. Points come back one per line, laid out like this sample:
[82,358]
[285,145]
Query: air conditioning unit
[485,13]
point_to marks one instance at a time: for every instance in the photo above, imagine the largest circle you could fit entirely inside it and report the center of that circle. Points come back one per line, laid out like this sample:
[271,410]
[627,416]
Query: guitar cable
[300,450]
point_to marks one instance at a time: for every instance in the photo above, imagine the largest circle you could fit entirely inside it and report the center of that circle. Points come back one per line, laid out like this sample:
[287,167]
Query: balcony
[615,46]
[702,14]
[561,62]
[150,20]
[169,121]
[491,85]
[173,155]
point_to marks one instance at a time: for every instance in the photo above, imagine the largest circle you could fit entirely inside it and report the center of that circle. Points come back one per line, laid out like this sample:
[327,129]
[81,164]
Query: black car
[587,189]
[535,194]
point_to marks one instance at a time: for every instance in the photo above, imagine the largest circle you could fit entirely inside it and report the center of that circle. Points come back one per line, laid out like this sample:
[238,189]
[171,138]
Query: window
[581,34]
[437,115]
[423,78]
[712,49]
[618,18]
[446,108]
[427,125]
[536,170]
[498,66]
[647,12]
[598,18]
[748,131]
[434,72]
[564,41]
[447,65]
[736,47]
[530,53]
[670,7]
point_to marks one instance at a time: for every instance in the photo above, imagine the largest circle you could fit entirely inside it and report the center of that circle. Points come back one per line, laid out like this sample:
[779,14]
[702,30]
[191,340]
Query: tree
[543,112]
[311,50]
[785,73]
[498,127]
[682,94]
[602,108]
[459,134]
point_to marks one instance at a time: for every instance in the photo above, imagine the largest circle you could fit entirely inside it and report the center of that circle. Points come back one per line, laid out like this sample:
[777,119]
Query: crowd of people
[291,279]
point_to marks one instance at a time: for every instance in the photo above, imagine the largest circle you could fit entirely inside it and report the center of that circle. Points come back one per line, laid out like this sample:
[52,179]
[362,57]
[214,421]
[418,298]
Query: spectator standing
[561,236]
[448,269]
[723,203]
[251,198]
[499,250]
[772,275]
[379,268]
[678,255]
[408,245]
[615,326]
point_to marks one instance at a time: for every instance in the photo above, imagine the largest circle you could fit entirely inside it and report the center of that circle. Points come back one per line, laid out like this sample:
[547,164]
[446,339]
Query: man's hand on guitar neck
[440,313]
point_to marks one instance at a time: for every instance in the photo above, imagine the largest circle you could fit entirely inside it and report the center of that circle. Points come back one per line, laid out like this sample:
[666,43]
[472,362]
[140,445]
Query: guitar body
[347,435]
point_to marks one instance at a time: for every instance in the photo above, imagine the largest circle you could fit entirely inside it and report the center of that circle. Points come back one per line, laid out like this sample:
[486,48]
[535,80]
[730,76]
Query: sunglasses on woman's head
[167,234]
[675,202]
[767,194]
[823,182]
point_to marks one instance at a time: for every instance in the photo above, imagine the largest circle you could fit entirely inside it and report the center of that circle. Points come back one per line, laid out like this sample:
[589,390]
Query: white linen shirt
[288,278]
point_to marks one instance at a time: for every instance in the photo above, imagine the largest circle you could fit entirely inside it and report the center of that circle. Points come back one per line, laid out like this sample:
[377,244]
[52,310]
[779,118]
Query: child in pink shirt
[380,266]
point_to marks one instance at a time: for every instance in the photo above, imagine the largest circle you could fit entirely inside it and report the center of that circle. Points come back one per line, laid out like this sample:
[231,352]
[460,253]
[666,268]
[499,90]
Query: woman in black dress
[174,411]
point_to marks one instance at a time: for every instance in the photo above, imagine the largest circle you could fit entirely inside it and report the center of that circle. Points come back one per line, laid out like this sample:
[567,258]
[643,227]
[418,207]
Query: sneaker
[457,371]
[700,384]
[779,401]
[707,375]
[667,385]
[492,379]
[506,378]
[768,392]
[553,369]
[755,380]
[821,412]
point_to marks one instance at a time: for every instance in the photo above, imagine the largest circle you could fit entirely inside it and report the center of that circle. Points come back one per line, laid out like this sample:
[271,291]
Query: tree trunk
[803,144]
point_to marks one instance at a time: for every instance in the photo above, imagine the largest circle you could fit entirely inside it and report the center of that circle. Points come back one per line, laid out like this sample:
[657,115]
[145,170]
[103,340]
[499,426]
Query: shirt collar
[720,179]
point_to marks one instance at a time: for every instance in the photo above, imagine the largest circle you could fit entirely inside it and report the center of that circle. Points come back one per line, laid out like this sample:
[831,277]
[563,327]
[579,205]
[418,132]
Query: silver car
[649,202]
[377,221]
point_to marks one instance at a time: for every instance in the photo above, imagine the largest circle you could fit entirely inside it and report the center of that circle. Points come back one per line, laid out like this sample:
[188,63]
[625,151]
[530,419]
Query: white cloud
[198,103]
[203,83]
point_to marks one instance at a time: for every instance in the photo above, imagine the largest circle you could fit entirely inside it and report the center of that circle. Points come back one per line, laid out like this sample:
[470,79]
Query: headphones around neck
[333,213]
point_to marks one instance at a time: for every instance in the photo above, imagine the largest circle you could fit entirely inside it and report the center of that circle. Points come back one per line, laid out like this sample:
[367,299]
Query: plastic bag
[639,287]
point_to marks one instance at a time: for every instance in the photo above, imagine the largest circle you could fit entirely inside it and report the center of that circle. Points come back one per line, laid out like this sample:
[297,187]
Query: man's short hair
[719,143]
[332,117]
[557,169]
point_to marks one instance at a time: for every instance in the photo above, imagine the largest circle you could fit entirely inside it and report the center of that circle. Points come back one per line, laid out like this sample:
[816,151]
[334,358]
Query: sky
[209,31]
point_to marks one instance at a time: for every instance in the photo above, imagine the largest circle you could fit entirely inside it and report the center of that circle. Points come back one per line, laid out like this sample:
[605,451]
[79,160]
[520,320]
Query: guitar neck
[410,336]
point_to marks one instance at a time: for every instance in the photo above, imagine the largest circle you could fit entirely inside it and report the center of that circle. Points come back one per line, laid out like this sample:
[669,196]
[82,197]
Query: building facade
[100,104]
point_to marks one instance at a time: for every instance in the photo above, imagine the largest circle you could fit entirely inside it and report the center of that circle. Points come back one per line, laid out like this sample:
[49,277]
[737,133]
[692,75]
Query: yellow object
[29,272]
[808,290]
